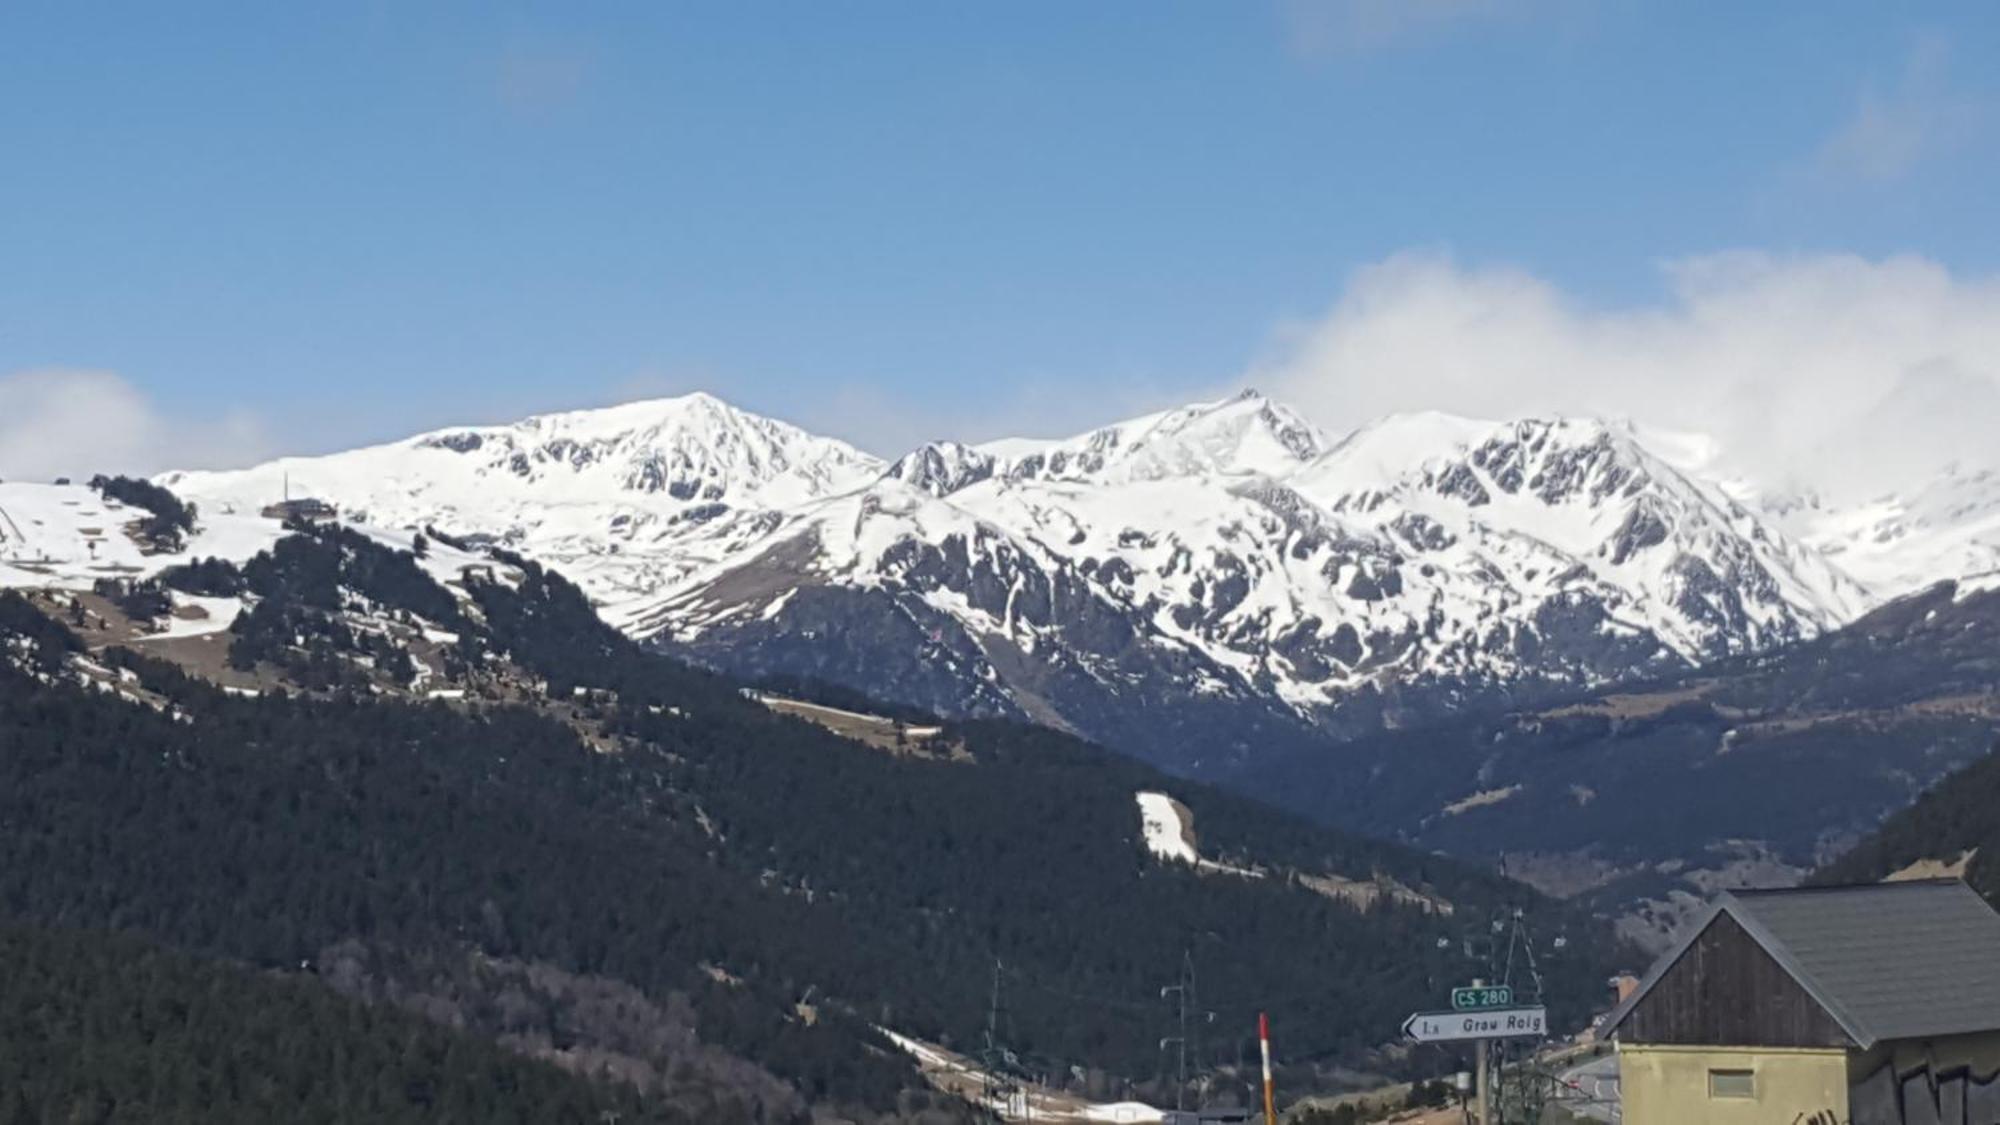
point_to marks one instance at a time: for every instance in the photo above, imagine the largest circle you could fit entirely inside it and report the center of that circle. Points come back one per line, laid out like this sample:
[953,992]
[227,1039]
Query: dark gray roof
[1904,960]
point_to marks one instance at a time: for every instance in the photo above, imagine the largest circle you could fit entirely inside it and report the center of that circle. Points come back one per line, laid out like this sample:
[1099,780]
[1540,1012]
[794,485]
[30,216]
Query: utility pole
[993,1013]
[1181,991]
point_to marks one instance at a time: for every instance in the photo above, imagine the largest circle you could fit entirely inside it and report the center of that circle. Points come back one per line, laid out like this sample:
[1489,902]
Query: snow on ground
[1480,799]
[1027,1101]
[597,493]
[1946,527]
[1168,827]
[1977,584]
[1123,1111]
[779,702]
[67,537]
[210,615]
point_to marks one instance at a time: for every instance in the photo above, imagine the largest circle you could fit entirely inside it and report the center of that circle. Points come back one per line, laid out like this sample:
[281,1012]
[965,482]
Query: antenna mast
[995,1060]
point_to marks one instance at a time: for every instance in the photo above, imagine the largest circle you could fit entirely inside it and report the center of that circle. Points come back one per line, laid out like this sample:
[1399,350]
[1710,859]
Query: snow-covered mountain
[1185,584]
[622,498]
[1568,505]
[1896,544]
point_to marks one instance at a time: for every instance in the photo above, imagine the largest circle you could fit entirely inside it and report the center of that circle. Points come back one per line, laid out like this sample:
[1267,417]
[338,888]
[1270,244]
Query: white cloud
[1829,369]
[1894,129]
[1826,368]
[1832,370]
[79,423]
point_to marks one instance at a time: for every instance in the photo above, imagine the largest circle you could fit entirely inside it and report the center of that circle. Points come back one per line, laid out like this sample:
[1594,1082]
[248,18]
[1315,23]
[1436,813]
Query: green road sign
[1481,997]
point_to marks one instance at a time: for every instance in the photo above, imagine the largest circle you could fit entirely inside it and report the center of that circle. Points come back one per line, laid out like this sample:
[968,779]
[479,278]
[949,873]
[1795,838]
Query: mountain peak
[648,415]
[1246,433]
[662,453]
[1396,444]
[942,467]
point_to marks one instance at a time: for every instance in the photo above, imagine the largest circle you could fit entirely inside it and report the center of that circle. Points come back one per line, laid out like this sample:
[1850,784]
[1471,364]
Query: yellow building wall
[1662,1085]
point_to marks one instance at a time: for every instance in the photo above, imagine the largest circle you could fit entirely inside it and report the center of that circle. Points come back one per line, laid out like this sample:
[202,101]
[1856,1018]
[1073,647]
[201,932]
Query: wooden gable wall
[1725,991]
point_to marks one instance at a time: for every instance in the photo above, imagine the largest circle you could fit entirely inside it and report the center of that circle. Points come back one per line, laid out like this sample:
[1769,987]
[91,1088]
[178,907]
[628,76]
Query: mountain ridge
[1020,582]
[1229,551]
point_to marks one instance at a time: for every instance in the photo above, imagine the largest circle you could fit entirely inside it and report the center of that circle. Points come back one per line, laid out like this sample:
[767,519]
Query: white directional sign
[1494,1023]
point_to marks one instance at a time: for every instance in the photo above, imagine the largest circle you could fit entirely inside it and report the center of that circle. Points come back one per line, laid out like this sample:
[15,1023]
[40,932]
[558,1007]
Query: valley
[864,708]
[479,786]
[1511,630]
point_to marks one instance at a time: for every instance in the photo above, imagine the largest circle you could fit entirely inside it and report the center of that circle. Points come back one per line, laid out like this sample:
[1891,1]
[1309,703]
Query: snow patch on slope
[1899,543]
[198,616]
[1167,827]
[68,537]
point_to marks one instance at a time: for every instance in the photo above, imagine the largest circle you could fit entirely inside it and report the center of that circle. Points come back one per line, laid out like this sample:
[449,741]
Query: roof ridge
[1844,955]
[1881,885]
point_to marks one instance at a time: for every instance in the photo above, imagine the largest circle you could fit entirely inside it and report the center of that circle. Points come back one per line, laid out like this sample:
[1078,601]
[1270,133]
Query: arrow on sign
[1494,1023]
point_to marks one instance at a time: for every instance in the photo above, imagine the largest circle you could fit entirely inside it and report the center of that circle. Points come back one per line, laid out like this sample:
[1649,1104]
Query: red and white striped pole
[1264,1041]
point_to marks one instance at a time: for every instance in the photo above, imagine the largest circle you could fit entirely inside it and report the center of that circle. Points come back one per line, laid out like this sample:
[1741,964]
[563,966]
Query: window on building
[1732,1084]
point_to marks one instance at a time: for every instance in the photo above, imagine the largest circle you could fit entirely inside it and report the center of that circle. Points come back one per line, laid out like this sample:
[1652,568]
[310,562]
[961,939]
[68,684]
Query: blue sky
[344,222]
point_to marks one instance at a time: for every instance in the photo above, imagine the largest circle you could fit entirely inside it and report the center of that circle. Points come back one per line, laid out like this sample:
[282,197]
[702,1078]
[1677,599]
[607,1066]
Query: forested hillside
[113,1030]
[1771,764]
[268,831]
[1952,829]
[771,892]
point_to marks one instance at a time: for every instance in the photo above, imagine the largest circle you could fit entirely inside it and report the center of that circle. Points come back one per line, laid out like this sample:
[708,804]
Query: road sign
[1481,997]
[1496,1023]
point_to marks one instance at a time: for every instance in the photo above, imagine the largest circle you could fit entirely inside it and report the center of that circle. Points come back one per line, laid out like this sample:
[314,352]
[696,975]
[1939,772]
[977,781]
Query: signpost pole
[1485,1082]
[1483,1079]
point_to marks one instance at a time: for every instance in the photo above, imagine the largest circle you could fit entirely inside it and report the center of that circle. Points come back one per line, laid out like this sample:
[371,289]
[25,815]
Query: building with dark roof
[304,510]
[1869,1005]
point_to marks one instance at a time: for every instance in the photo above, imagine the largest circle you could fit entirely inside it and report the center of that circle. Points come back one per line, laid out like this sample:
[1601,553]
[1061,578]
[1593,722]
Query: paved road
[1594,1086]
